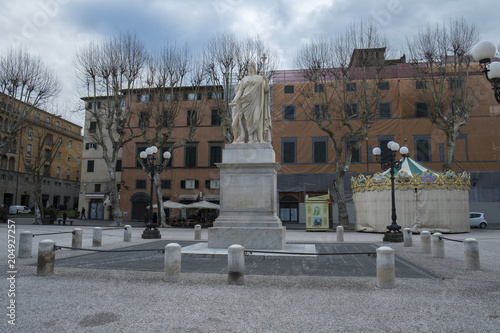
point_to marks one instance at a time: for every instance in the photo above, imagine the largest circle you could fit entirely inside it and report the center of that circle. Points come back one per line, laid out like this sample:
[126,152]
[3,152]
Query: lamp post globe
[484,52]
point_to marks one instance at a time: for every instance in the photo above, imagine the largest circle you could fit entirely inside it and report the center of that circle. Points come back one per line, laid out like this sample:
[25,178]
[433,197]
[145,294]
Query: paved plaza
[124,291]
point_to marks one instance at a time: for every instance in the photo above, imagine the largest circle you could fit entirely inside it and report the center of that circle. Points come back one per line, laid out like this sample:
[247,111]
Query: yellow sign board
[317,213]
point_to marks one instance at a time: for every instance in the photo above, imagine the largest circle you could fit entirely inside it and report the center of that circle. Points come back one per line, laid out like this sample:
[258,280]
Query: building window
[420,85]
[69,158]
[385,110]
[214,95]
[289,208]
[189,184]
[289,89]
[383,140]
[30,133]
[78,160]
[215,154]
[144,98]
[118,166]
[69,128]
[94,106]
[289,112]
[190,156]
[356,154]
[455,83]
[79,147]
[191,118]
[70,144]
[383,85]
[92,127]
[166,184]
[171,97]
[91,146]
[77,175]
[350,86]
[29,149]
[319,87]
[215,119]
[288,150]
[351,111]
[319,112]
[320,150]
[58,172]
[192,97]
[68,173]
[27,164]
[213,184]
[49,139]
[140,184]
[48,120]
[90,166]
[59,156]
[143,119]
[422,148]
[421,110]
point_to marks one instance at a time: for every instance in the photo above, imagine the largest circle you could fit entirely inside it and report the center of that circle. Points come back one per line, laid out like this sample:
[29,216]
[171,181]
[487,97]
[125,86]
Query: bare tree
[25,83]
[226,60]
[342,92]
[111,70]
[40,161]
[177,78]
[442,67]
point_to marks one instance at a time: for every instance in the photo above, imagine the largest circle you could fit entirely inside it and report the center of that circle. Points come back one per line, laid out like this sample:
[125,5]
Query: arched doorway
[289,209]
[139,202]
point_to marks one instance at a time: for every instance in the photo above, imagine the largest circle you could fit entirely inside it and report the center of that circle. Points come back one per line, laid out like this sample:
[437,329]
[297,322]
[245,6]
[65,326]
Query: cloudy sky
[55,29]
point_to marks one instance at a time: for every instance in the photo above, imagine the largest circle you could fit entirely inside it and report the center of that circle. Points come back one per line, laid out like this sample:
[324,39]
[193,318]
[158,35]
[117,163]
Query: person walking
[83,217]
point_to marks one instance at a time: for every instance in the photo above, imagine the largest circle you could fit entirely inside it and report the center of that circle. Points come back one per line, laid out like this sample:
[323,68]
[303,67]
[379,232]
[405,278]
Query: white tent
[425,200]
[170,205]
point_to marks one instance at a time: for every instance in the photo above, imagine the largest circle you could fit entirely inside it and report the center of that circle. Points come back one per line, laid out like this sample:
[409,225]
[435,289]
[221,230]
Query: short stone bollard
[172,268]
[97,237]
[471,253]
[77,238]
[25,244]
[340,233]
[46,257]
[437,245]
[197,232]
[407,240]
[236,265]
[386,268]
[127,233]
[425,241]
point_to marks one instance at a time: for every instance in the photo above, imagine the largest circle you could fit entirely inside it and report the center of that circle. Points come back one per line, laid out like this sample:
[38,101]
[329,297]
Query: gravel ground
[88,300]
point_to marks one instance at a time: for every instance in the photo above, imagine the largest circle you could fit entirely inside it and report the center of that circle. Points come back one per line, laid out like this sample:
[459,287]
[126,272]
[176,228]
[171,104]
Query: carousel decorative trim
[403,181]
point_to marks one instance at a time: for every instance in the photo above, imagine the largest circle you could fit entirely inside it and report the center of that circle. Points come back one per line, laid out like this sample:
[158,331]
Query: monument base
[248,178]
[393,237]
[151,234]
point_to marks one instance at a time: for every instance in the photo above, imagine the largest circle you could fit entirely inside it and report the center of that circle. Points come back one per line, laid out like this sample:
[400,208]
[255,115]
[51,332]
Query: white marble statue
[251,111]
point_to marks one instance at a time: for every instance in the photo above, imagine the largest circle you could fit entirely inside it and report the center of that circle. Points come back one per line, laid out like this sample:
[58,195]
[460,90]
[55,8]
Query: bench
[59,220]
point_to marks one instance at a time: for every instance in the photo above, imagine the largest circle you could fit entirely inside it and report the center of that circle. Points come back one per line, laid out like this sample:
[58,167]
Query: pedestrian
[82,217]
[65,216]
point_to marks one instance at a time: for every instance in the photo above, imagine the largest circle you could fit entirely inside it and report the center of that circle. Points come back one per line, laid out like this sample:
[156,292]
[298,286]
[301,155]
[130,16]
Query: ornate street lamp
[394,234]
[151,167]
[484,52]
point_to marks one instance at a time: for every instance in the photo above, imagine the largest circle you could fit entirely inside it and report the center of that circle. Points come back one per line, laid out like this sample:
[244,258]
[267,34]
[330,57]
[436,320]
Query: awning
[211,197]
[203,205]
[188,197]
[94,195]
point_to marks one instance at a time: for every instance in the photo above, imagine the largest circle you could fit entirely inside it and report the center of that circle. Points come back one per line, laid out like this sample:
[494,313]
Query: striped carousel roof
[410,167]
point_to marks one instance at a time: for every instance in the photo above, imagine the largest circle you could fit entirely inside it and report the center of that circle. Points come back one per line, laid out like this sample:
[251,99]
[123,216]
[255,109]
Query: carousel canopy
[411,168]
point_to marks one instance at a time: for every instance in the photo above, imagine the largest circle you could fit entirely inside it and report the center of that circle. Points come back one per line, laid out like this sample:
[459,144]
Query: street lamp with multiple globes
[151,167]
[394,234]
[484,52]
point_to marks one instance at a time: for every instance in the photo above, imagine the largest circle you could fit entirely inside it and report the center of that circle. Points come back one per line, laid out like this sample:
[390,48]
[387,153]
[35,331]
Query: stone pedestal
[248,206]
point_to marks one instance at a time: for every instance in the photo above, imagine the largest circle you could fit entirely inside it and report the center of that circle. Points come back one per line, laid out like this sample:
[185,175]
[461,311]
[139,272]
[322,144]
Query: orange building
[191,174]
[306,156]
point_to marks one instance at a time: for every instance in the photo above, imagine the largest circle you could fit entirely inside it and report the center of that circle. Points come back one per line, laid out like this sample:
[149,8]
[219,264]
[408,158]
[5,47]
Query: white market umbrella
[170,205]
[203,205]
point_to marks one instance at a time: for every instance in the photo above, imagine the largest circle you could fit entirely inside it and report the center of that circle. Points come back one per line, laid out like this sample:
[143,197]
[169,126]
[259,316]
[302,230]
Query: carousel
[425,199]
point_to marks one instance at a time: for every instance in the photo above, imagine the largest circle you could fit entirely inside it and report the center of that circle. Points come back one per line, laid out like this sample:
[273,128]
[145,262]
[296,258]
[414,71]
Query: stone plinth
[248,206]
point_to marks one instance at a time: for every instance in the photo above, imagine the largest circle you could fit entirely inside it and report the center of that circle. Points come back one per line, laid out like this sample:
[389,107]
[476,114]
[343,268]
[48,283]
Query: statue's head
[252,68]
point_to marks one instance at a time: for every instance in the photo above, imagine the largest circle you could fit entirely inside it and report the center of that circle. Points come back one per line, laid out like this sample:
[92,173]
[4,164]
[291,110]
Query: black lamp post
[151,167]
[484,52]
[394,234]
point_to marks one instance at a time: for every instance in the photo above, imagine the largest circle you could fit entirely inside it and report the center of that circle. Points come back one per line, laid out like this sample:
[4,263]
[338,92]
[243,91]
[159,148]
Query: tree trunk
[339,190]
[159,200]
[450,139]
